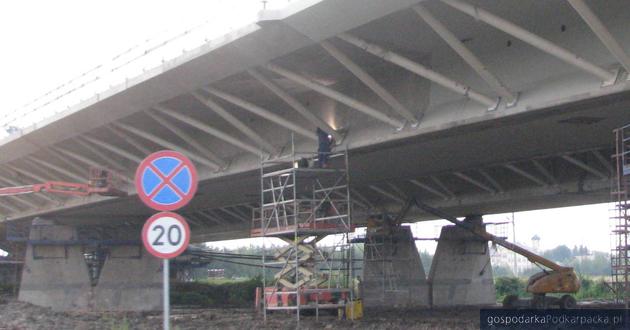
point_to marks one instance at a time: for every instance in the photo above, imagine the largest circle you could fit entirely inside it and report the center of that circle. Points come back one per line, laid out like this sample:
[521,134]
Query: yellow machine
[554,279]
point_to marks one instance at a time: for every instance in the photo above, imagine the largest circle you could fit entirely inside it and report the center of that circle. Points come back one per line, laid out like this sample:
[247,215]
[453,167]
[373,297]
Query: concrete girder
[369,81]
[530,38]
[544,171]
[398,191]
[58,169]
[474,182]
[602,32]
[34,176]
[363,199]
[9,207]
[85,160]
[130,139]
[441,184]
[387,194]
[294,103]
[209,130]
[102,157]
[470,58]
[606,163]
[20,198]
[419,69]
[525,174]
[212,217]
[585,166]
[335,95]
[165,143]
[234,214]
[211,156]
[492,181]
[237,123]
[115,149]
[264,113]
[429,189]
[66,162]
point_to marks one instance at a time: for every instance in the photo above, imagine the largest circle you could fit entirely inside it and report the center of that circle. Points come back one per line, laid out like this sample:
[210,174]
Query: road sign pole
[167,293]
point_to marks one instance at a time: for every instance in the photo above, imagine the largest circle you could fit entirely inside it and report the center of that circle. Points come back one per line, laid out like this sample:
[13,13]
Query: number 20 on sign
[166,235]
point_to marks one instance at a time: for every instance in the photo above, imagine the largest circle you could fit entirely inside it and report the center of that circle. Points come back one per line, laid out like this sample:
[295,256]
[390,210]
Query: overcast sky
[46,43]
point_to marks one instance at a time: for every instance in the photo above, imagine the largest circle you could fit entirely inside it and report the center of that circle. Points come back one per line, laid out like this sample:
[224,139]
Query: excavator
[101,181]
[553,278]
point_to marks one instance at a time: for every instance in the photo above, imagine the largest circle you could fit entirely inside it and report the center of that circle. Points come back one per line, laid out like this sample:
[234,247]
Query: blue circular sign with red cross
[166,180]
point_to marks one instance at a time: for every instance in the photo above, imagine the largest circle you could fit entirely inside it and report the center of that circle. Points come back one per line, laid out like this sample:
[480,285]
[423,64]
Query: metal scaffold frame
[620,253]
[302,202]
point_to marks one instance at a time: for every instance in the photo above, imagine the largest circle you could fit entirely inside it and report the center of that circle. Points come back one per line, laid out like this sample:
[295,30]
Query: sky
[46,43]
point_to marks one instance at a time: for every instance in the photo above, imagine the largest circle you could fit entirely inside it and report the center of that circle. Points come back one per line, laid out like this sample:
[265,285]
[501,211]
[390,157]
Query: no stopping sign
[166,235]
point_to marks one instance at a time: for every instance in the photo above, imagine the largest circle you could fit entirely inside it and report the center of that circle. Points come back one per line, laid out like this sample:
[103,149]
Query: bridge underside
[533,130]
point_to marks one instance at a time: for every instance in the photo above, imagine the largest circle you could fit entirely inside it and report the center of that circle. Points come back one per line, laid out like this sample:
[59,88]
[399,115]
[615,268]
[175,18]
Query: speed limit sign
[166,235]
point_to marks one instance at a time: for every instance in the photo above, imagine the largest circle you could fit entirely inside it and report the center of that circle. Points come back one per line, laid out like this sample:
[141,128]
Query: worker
[326,142]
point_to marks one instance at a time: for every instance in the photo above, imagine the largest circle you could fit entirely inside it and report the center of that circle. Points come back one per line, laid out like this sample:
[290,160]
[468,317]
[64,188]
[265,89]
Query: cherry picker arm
[554,279]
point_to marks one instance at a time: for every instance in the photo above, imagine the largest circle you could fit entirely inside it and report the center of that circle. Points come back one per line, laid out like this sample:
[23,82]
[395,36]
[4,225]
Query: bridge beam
[294,103]
[465,53]
[530,38]
[419,69]
[208,129]
[335,95]
[264,113]
[102,157]
[602,32]
[211,156]
[165,144]
[56,168]
[237,123]
[585,166]
[492,181]
[525,174]
[129,139]
[370,82]
[114,149]
[473,182]
[429,189]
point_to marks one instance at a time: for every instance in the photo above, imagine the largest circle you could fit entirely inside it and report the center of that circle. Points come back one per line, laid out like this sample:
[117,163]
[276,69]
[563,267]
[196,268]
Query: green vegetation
[214,293]
[591,288]
[6,288]
[505,286]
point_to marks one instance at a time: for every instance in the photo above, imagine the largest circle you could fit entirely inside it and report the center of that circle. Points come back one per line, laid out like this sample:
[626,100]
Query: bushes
[233,294]
[509,285]
[591,289]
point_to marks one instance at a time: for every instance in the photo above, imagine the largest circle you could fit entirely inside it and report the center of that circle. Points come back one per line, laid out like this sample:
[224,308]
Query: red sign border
[144,164]
[145,235]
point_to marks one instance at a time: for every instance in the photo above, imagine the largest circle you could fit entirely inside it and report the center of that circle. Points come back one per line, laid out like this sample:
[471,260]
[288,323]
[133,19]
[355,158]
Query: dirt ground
[17,315]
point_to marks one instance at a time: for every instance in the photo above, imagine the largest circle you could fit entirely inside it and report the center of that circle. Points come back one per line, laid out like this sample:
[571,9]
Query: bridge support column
[461,272]
[392,272]
[62,274]
[131,280]
[54,276]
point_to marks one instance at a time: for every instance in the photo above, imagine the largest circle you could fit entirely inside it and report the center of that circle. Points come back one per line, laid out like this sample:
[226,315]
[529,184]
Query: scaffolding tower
[302,202]
[620,254]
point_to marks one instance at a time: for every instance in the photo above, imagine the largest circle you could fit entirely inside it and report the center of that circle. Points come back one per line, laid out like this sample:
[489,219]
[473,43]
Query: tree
[559,253]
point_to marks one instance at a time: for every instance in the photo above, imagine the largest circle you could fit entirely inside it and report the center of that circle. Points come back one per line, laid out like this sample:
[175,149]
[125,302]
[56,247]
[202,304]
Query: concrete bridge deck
[474,115]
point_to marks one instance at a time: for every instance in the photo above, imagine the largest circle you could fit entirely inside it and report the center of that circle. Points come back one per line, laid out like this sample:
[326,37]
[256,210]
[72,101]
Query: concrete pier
[56,274]
[461,271]
[393,275]
[131,280]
